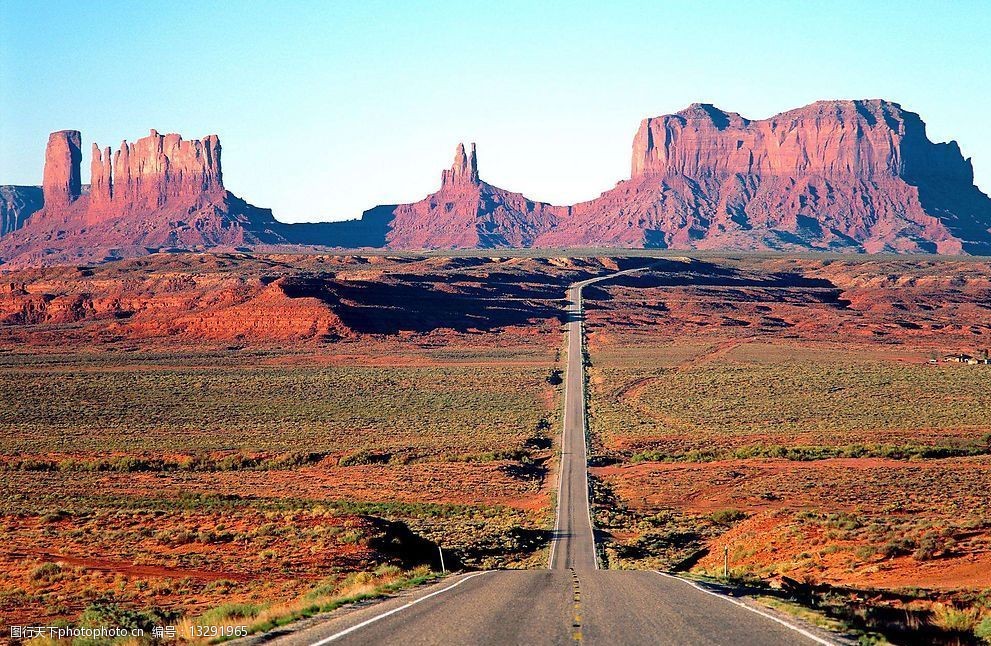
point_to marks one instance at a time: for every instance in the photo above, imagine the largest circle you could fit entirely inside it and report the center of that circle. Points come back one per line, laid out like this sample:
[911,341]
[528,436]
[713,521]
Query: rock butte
[858,176]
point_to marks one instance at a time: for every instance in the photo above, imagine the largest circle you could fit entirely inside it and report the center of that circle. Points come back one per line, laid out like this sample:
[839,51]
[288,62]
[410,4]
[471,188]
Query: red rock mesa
[859,176]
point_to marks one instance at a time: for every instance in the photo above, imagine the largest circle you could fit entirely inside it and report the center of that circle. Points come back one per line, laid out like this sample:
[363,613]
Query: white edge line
[766,615]
[327,640]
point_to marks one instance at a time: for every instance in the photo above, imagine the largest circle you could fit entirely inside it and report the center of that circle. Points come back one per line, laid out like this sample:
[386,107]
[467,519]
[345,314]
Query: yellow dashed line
[576,634]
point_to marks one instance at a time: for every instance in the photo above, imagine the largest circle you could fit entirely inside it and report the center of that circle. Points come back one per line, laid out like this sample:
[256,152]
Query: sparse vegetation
[169,506]
[142,405]
[804,431]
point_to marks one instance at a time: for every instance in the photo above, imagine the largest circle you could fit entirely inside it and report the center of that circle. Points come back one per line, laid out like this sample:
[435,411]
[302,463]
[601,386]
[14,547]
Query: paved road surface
[573,541]
[573,602]
[609,607]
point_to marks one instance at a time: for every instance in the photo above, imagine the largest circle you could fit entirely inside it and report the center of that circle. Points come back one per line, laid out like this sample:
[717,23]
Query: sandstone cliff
[159,192]
[62,184]
[154,171]
[843,175]
[859,176]
[17,204]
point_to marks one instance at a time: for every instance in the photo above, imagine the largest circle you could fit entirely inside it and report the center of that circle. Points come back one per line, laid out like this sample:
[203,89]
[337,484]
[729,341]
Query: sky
[325,109]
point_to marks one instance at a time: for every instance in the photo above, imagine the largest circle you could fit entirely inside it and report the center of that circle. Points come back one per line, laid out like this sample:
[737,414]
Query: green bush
[727,516]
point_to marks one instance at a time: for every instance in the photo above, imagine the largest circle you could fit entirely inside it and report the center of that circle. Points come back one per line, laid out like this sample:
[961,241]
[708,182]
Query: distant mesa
[159,192]
[153,172]
[17,204]
[857,176]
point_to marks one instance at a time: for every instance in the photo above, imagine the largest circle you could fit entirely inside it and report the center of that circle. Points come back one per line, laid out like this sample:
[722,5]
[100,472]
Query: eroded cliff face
[154,171]
[859,176]
[178,305]
[840,175]
[17,204]
[160,191]
[835,175]
[464,170]
[867,139]
[469,213]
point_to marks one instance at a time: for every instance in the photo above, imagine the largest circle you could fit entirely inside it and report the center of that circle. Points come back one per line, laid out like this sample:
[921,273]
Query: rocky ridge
[468,212]
[855,176]
[835,175]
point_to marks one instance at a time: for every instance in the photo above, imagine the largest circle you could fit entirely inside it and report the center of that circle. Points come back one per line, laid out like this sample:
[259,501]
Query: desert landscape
[212,437]
[184,463]
[805,419]
[495,323]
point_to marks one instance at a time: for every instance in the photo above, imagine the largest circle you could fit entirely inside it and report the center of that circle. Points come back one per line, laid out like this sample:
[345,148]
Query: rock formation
[62,184]
[834,175]
[469,213]
[859,176]
[101,179]
[153,172]
[464,170]
[17,204]
[853,175]
[159,192]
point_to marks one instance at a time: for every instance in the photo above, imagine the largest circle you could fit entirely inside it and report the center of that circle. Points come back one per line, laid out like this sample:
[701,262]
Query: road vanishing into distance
[573,601]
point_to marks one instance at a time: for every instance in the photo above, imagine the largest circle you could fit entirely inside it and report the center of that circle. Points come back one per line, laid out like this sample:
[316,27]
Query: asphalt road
[511,607]
[573,602]
[573,541]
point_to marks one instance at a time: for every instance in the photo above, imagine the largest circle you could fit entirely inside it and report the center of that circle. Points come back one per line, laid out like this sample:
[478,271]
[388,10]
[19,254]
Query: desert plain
[250,438]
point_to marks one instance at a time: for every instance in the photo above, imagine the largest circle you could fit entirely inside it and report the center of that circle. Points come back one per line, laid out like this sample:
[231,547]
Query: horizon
[564,83]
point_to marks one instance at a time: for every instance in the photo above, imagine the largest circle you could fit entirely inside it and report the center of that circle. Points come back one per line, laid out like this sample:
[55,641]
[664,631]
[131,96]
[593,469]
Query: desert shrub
[727,516]
[46,572]
[364,457]
[293,460]
[222,585]
[898,547]
[107,612]
[953,619]
[268,529]
[350,536]
[931,546]
[357,578]
[54,516]
[228,612]
[983,629]
[325,588]
[208,536]
[387,569]
[843,521]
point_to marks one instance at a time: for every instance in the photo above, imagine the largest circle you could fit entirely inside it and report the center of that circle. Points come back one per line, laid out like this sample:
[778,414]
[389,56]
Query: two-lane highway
[573,541]
[571,603]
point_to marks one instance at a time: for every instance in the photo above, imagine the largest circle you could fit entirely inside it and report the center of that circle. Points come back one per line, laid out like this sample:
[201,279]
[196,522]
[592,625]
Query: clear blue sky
[327,108]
